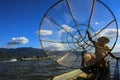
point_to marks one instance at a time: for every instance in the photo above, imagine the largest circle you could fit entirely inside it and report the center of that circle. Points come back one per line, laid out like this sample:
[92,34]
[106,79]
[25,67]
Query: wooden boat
[79,74]
[71,74]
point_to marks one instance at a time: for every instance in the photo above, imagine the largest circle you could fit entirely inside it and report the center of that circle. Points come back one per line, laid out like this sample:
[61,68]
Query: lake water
[34,70]
[30,70]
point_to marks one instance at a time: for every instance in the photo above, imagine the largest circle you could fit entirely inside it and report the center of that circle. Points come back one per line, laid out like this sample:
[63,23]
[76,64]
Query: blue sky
[20,19]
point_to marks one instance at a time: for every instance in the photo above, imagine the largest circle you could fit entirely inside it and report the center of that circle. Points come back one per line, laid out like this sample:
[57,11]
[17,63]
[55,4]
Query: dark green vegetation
[20,52]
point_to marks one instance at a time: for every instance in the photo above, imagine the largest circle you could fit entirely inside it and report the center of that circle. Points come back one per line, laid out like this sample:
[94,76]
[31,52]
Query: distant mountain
[20,52]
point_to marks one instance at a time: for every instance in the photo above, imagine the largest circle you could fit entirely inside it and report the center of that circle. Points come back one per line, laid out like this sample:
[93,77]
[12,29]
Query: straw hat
[103,39]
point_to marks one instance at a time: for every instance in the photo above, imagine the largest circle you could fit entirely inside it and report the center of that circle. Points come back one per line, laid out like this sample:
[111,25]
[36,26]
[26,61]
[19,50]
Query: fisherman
[101,50]
[100,63]
[96,60]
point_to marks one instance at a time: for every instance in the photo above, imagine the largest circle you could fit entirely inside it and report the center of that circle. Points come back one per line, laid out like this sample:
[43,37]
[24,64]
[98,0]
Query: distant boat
[35,58]
[13,60]
[29,59]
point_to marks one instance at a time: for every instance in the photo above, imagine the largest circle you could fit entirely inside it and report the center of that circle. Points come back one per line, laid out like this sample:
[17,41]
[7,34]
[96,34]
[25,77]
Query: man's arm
[90,38]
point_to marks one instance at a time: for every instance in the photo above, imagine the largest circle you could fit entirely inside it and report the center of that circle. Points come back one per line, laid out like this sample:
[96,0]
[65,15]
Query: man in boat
[101,50]
[97,60]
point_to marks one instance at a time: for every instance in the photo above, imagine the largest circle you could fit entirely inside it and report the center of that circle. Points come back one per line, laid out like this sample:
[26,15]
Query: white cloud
[110,33]
[77,37]
[45,32]
[18,40]
[55,46]
[96,23]
[66,28]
